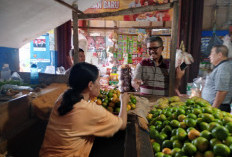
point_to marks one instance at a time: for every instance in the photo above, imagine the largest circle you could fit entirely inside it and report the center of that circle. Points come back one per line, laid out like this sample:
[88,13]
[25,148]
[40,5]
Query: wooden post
[174,37]
[75,34]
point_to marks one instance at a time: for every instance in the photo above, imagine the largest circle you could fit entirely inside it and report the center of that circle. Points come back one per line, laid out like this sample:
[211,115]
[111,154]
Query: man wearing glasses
[151,75]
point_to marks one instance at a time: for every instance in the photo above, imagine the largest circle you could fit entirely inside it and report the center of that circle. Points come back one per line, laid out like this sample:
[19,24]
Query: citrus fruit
[181,134]
[207,110]
[208,154]
[206,134]
[167,130]
[220,132]
[189,149]
[153,132]
[190,102]
[159,154]
[192,134]
[226,120]
[179,154]
[201,143]
[174,99]
[183,125]
[175,150]
[191,115]
[149,116]
[167,151]
[156,147]
[197,111]
[212,125]
[173,138]
[229,126]
[221,150]
[204,126]
[128,107]
[198,154]
[167,144]
[214,141]
[99,102]
[180,111]
[175,123]
[207,117]
[190,122]
[177,144]
[168,114]
[228,141]
[218,121]
[133,106]
[181,117]
[190,128]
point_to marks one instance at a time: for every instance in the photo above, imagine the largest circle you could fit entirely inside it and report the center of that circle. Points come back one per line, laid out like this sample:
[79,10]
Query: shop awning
[24,20]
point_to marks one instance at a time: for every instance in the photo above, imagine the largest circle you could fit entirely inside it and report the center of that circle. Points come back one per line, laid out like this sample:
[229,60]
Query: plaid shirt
[155,78]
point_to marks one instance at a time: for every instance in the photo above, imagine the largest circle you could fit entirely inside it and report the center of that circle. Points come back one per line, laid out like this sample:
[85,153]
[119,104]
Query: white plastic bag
[197,87]
[183,57]
[227,42]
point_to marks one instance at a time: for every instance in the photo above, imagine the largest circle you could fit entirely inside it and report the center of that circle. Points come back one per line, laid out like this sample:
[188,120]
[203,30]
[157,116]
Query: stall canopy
[24,20]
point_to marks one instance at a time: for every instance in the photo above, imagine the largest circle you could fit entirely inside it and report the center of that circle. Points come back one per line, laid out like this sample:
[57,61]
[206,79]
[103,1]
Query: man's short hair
[155,39]
[221,48]
[72,51]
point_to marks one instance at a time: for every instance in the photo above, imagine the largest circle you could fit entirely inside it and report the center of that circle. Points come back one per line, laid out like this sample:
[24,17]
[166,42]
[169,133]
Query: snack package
[104,81]
[125,78]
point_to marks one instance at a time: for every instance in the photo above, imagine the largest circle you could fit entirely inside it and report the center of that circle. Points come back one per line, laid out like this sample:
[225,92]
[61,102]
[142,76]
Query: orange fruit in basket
[128,107]
[133,106]
[99,102]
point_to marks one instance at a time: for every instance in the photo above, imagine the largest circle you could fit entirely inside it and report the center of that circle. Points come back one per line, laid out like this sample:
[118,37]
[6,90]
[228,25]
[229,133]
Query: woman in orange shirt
[75,121]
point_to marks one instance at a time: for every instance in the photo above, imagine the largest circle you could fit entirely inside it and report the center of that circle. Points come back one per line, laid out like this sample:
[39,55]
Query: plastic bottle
[34,74]
[5,73]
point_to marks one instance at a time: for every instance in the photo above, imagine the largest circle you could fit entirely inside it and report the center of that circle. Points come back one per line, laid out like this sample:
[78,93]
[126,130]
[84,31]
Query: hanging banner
[115,5]
[40,52]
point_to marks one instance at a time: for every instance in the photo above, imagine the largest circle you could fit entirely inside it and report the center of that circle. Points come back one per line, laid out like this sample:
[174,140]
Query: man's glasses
[153,49]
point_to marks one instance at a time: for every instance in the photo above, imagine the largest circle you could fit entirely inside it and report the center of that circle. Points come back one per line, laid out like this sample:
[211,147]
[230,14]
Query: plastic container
[34,74]
[5,72]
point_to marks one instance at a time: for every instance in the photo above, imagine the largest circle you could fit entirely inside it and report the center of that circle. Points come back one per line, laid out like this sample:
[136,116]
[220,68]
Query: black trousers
[225,107]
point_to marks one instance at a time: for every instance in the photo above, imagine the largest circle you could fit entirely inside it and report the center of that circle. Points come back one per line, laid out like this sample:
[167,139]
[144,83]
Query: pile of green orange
[193,129]
[110,100]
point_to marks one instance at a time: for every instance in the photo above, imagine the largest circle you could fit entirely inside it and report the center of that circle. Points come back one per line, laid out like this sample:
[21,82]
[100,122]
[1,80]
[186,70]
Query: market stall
[41,105]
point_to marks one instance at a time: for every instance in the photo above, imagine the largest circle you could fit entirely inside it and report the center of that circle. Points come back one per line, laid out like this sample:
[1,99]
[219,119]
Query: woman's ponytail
[80,76]
[70,98]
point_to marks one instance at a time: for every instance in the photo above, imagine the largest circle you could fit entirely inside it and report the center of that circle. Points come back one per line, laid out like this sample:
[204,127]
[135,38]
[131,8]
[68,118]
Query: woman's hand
[179,73]
[123,110]
[124,98]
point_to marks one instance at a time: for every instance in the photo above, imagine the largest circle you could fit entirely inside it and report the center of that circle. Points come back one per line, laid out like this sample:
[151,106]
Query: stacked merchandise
[125,78]
[128,49]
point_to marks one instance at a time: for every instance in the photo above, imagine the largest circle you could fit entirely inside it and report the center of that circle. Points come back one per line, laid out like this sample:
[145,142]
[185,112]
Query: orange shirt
[72,135]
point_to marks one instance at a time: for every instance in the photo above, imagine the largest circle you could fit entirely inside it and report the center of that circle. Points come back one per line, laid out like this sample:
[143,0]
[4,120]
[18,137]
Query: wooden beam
[75,35]
[128,11]
[112,28]
[174,38]
[69,6]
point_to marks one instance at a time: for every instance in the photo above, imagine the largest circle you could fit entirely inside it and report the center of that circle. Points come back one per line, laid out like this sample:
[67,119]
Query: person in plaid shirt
[152,75]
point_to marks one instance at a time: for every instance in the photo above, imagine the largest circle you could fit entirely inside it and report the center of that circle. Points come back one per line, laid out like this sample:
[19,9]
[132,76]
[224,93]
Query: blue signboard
[40,52]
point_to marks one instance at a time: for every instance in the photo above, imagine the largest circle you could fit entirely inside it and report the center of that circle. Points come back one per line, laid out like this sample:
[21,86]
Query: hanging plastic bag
[227,42]
[183,57]
[197,87]
[213,41]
